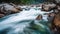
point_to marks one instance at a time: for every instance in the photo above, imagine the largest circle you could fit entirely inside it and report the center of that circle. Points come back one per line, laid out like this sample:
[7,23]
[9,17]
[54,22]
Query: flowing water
[25,22]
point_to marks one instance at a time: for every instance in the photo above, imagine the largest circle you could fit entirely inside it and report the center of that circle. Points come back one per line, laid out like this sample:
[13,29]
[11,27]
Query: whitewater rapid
[15,23]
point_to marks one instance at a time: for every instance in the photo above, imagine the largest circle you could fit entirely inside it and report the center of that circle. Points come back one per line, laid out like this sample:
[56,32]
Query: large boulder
[48,7]
[7,9]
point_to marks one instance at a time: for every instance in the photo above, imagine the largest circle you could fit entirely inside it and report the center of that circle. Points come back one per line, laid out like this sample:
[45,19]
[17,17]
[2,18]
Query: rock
[39,17]
[19,8]
[48,7]
[57,1]
[37,5]
[2,15]
[13,9]
[55,11]
[58,7]
[56,23]
[51,17]
[7,9]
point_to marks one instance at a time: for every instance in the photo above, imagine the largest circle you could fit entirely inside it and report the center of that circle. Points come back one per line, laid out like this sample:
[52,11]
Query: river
[24,22]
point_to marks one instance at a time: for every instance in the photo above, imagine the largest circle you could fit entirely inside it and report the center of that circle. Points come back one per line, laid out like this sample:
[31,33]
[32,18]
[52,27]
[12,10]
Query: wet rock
[2,15]
[48,7]
[58,7]
[55,11]
[37,5]
[13,9]
[51,17]
[56,24]
[7,9]
[18,8]
[39,17]
[32,5]
[57,1]
[57,21]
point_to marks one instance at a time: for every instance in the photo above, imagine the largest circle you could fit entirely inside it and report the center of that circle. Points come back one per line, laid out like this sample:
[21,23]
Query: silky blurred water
[25,22]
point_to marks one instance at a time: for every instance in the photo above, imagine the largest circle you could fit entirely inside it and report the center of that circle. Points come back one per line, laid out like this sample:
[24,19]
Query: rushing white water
[16,23]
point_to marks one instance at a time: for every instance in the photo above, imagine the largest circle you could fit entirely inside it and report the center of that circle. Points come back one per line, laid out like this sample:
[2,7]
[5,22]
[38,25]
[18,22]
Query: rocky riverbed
[33,19]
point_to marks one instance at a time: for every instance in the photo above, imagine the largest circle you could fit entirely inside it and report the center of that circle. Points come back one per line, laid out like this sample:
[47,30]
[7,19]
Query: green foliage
[23,1]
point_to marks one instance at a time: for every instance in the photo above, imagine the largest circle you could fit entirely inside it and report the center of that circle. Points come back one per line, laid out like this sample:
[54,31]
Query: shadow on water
[4,31]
